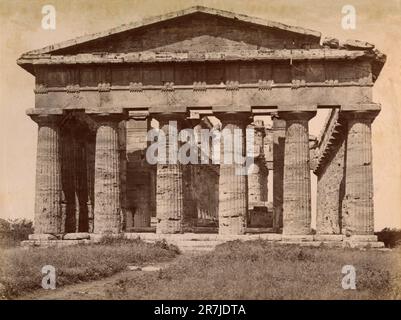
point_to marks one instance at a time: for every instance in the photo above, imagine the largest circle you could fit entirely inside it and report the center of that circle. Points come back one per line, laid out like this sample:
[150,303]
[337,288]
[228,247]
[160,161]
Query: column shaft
[297,187]
[138,171]
[358,202]
[233,193]
[48,213]
[278,171]
[169,188]
[257,182]
[257,173]
[107,211]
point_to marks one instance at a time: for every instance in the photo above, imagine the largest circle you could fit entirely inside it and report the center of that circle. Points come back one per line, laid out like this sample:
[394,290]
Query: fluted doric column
[358,202]
[48,189]
[297,183]
[138,170]
[169,187]
[278,170]
[107,207]
[257,173]
[189,174]
[233,193]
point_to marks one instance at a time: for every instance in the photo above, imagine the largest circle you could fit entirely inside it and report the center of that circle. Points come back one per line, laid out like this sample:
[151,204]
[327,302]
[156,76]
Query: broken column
[358,202]
[233,200]
[107,210]
[48,213]
[297,181]
[169,188]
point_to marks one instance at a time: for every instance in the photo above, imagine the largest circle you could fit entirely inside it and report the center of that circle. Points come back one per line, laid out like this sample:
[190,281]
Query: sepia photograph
[209,151]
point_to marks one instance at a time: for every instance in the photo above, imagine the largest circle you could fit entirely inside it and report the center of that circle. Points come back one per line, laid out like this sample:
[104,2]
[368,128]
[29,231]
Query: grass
[20,269]
[235,270]
[261,270]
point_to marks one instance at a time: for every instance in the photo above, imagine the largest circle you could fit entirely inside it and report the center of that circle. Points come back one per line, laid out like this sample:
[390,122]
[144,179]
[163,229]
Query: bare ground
[103,289]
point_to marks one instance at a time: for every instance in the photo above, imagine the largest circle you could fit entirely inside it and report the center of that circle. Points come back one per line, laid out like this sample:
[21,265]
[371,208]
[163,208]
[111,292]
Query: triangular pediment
[197,29]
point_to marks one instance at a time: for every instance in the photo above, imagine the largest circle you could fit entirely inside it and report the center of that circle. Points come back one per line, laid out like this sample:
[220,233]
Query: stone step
[194,241]
[196,244]
[199,250]
[200,237]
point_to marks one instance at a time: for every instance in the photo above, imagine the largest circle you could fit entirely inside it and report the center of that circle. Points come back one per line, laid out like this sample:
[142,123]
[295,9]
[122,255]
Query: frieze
[135,87]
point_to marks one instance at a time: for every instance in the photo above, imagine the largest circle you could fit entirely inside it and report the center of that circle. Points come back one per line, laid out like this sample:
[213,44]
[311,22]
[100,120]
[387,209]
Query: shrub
[13,231]
[390,237]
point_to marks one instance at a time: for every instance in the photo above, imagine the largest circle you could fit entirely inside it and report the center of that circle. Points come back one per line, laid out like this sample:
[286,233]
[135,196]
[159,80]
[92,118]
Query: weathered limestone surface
[169,192]
[330,192]
[208,62]
[189,181]
[278,170]
[76,236]
[297,188]
[138,181]
[107,177]
[199,29]
[233,200]
[42,237]
[202,242]
[358,202]
[77,170]
[205,181]
[48,213]
[257,173]
[190,208]
[257,181]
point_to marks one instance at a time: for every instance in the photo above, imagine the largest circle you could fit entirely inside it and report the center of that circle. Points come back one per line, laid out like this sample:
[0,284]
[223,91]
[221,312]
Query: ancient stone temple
[97,96]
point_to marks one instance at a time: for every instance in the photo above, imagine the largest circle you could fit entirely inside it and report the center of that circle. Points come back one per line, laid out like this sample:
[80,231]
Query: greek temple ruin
[97,96]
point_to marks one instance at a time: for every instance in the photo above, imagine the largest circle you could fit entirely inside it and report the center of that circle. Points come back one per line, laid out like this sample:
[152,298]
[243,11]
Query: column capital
[361,107]
[107,118]
[274,115]
[46,118]
[278,122]
[296,115]
[229,117]
[138,114]
[258,125]
[169,116]
[361,114]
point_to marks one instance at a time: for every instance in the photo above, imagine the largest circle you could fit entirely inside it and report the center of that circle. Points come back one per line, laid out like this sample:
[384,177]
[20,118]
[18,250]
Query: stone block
[271,236]
[42,236]
[331,42]
[76,236]
[328,237]
[98,236]
[363,244]
[332,244]
[363,238]
[297,238]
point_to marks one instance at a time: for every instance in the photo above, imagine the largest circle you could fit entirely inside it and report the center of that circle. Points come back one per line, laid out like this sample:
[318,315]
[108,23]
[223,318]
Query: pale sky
[378,22]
